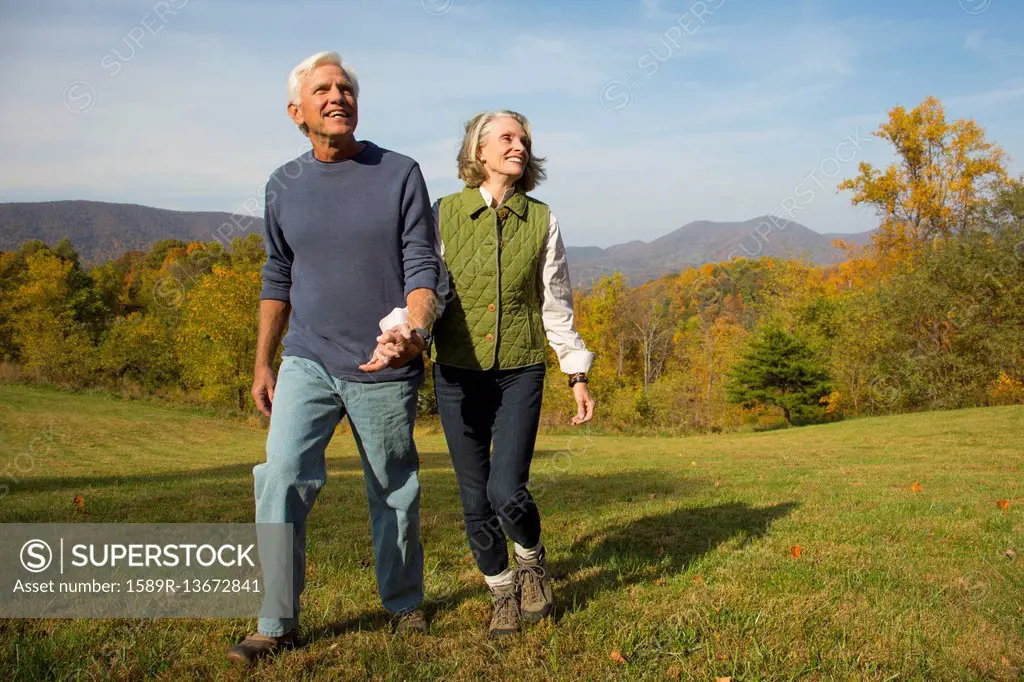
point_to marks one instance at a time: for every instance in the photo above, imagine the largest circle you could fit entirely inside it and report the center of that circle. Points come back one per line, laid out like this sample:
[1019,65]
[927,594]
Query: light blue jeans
[308,405]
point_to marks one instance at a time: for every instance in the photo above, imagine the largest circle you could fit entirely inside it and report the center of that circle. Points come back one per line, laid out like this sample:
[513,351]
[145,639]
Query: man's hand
[395,348]
[263,383]
[584,404]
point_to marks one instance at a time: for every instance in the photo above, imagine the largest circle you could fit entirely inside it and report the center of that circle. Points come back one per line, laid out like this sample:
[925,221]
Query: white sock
[503,579]
[529,556]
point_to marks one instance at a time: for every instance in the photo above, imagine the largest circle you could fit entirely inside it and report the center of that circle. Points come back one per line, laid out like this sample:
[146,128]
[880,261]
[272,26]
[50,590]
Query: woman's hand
[395,348]
[584,404]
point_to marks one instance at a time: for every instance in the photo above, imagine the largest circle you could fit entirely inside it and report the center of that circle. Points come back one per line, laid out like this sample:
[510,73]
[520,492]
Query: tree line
[930,315]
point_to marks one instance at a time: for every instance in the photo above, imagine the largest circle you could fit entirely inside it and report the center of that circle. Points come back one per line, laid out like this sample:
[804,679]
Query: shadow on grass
[656,546]
[237,473]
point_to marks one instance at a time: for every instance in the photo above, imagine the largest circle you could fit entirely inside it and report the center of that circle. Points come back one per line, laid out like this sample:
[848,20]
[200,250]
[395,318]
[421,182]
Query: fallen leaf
[723,679]
[79,501]
[1003,504]
[1010,554]
[1004,660]
[617,658]
[796,550]
[916,488]
[673,672]
[697,580]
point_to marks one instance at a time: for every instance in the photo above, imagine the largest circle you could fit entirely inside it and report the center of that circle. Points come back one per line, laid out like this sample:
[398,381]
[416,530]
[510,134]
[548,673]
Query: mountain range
[101,230]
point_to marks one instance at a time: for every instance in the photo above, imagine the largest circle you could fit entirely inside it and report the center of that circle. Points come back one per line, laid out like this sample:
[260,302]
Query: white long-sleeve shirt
[556,296]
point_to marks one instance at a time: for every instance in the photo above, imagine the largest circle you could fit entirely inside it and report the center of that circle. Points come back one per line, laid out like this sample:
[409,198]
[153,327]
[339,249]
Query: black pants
[478,407]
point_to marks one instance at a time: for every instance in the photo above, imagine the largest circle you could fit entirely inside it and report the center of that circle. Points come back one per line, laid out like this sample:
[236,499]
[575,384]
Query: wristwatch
[577,378]
[428,338]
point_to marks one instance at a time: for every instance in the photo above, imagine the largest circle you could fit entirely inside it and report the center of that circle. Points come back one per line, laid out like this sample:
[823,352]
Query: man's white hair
[307,65]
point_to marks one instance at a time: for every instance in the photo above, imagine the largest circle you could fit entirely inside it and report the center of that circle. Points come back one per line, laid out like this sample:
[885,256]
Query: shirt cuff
[576,361]
[395,317]
[272,293]
[423,280]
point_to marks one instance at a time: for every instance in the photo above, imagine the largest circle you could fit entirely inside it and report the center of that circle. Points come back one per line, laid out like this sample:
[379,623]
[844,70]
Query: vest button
[491,308]
[489,337]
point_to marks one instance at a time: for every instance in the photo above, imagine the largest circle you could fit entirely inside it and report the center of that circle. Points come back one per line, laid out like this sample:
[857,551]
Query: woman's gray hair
[471,169]
[307,65]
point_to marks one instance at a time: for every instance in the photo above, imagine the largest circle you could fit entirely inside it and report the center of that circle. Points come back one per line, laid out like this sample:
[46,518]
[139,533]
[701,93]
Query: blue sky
[652,113]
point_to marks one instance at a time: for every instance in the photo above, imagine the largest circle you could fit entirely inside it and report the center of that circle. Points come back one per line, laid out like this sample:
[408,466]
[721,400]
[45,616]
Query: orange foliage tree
[944,175]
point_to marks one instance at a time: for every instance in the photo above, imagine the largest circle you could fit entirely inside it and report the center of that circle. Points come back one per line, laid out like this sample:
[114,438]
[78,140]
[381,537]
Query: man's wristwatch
[428,338]
[577,378]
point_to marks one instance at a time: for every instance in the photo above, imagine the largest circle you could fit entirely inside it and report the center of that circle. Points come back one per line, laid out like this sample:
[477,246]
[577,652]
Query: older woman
[508,289]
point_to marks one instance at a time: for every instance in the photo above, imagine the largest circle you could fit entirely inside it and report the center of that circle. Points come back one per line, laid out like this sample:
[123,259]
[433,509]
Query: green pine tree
[780,369]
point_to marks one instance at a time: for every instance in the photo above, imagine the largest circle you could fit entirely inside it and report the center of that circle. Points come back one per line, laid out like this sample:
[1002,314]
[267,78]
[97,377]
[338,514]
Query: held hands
[584,404]
[395,348]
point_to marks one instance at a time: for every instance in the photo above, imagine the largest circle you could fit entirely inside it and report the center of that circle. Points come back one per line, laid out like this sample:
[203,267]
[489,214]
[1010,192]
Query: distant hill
[101,231]
[704,241]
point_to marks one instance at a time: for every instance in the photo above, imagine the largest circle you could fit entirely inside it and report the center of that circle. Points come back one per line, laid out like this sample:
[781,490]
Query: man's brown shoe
[505,619]
[411,621]
[257,646]
[534,580]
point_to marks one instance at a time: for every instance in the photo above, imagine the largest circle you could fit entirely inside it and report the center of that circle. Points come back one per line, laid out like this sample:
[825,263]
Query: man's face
[327,103]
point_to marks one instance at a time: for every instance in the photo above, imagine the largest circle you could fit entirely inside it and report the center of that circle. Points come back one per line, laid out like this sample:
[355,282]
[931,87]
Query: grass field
[675,553]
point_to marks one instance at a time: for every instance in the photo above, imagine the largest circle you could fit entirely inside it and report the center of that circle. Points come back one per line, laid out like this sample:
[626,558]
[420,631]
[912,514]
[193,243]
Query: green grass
[673,552]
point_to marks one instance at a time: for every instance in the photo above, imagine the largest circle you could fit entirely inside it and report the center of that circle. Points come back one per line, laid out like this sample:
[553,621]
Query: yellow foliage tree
[944,174]
[217,337]
[53,343]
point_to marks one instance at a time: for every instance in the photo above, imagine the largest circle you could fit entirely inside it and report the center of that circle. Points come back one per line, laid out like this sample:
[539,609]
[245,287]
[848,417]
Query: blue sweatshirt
[346,242]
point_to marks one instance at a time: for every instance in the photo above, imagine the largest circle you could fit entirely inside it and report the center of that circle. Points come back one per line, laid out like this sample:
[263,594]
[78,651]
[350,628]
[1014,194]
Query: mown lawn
[675,553]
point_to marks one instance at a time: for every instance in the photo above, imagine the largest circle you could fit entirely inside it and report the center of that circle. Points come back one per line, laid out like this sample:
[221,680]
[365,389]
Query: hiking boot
[505,619]
[413,620]
[537,597]
[257,646]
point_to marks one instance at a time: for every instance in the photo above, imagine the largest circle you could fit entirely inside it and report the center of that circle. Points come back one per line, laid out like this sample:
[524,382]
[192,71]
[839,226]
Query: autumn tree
[944,174]
[601,317]
[650,318]
[139,347]
[46,312]
[217,337]
[780,369]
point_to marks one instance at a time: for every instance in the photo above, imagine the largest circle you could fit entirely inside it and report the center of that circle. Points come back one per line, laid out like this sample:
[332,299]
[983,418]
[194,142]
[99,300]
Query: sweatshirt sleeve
[419,259]
[277,271]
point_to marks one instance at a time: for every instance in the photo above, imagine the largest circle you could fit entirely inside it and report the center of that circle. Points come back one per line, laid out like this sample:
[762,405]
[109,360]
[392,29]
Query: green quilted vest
[494,260]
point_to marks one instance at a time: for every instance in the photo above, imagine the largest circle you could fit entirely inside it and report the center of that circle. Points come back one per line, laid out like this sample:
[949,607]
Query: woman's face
[503,149]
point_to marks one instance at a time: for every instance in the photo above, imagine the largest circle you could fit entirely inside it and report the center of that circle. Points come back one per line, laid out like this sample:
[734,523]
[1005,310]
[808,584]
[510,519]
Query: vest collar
[473,203]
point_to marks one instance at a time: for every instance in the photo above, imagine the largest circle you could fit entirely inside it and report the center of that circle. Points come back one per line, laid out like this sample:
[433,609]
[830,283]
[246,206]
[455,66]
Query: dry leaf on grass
[617,658]
[723,679]
[79,501]
[697,580]
[916,487]
[1003,504]
[1010,554]
[796,551]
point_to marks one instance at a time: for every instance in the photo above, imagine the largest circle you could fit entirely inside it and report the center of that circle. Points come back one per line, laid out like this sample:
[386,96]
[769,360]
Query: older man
[349,233]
